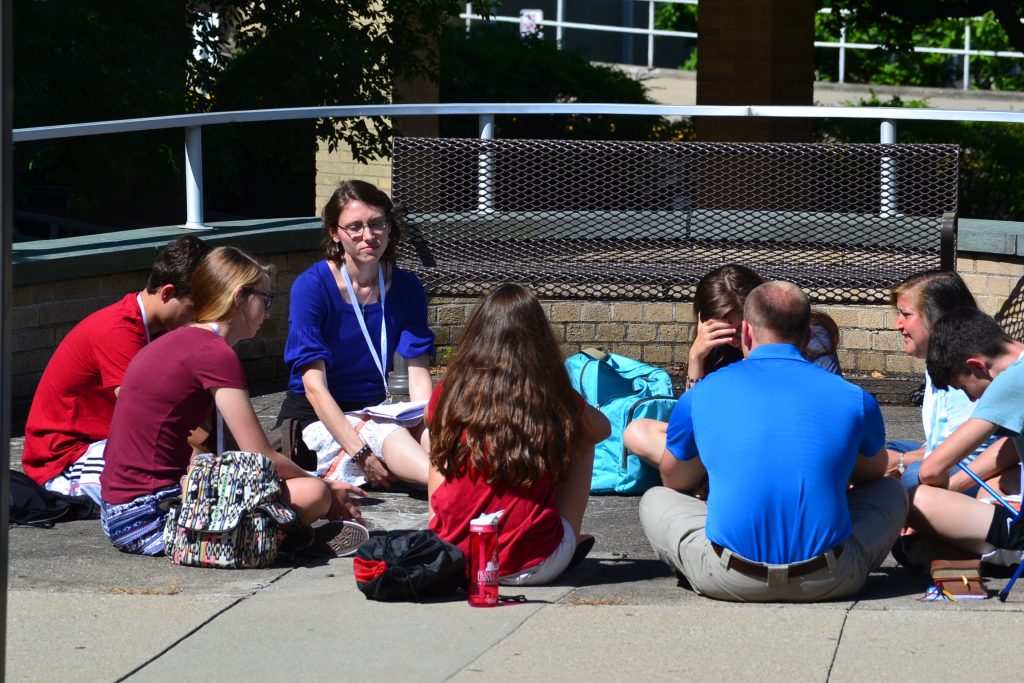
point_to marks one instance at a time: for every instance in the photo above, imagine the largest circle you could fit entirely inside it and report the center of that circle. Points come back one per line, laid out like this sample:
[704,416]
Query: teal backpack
[624,390]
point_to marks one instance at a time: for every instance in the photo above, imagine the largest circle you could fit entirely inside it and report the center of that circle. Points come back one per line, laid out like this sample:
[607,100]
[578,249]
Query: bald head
[777,312]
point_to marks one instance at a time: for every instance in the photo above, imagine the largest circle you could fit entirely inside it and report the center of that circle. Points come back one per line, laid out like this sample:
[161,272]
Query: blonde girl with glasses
[169,389]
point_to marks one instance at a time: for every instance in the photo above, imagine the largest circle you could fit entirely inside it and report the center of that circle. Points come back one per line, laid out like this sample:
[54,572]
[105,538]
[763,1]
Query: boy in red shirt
[70,416]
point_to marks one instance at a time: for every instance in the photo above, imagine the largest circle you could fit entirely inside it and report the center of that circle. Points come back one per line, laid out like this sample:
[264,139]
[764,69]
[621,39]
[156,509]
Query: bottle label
[487,577]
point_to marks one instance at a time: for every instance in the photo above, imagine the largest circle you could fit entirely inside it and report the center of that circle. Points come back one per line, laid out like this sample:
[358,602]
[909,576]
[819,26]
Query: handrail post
[888,171]
[559,17]
[967,54]
[842,54]
[194,178]
[650,34]
[485,167]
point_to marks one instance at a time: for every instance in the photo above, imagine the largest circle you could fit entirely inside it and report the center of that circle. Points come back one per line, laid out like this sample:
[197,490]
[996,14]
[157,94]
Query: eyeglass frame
[354,232]
[268,297]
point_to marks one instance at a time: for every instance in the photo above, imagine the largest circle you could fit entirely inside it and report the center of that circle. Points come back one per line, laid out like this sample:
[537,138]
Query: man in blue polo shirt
[779,441]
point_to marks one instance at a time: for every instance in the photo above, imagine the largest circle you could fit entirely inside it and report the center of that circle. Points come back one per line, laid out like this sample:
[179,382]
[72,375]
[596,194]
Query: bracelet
[900,467]
[360,456]
[690,381]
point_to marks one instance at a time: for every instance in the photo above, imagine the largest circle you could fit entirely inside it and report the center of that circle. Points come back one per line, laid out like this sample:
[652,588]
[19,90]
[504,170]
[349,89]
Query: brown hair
[719,293]
[221,272]
[935,293]
[507,408]
[368,194]
[174,265]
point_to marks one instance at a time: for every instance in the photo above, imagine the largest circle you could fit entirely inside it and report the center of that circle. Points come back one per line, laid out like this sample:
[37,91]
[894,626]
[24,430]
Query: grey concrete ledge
[133,250]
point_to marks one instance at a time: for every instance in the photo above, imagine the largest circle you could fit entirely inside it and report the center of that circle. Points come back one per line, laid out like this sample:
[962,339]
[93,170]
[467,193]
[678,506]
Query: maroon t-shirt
[164,396]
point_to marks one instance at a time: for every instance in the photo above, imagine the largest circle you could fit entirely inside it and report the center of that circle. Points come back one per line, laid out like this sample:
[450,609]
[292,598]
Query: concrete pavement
[671,86]
[80,611]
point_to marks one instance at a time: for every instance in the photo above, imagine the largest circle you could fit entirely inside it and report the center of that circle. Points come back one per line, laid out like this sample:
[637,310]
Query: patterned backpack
[231,513]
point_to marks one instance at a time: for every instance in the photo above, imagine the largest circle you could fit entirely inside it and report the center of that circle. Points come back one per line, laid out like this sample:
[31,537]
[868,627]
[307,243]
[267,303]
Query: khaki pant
[674,523]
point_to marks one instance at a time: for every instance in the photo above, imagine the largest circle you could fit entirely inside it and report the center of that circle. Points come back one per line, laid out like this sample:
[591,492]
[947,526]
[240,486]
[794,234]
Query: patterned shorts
[138,527]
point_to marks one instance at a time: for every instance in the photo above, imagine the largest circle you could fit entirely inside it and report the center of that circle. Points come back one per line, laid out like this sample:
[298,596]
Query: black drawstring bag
[33,505]
[408,565]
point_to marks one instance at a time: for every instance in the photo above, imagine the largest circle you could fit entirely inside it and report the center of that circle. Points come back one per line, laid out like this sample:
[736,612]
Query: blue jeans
[912,474]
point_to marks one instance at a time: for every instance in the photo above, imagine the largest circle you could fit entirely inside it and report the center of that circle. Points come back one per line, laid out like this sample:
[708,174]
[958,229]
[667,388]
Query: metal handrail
[193,123]
[650,32]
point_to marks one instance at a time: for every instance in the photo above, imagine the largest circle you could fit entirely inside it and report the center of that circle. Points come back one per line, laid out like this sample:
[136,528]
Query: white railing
[559,24]
[193,124]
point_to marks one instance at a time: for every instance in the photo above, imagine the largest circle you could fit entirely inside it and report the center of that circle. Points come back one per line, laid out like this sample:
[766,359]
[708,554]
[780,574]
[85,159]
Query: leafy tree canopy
[81,60]
[493,63]
[897,20]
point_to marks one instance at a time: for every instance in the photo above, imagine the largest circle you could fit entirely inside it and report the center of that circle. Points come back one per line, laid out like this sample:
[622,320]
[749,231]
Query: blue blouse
[323,326]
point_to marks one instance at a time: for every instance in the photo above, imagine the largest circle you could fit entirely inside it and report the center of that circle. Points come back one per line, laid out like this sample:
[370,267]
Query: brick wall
[658,333]
[334,167]
[43,313]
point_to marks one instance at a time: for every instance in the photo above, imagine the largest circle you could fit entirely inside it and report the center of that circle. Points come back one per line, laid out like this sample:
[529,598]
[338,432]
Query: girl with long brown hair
[508,432]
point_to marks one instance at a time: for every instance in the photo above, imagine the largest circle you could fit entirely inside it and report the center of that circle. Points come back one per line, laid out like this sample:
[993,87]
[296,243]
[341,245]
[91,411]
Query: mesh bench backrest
[645,220]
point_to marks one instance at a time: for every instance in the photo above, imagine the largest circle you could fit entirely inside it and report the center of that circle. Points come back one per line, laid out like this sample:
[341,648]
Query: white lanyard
[379,360]
[142,310]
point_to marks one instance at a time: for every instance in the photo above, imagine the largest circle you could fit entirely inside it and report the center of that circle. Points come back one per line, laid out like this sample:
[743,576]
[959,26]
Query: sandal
[584,544]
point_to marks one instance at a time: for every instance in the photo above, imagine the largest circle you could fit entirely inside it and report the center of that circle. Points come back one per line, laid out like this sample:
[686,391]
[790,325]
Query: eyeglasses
[268,298]
[378,226]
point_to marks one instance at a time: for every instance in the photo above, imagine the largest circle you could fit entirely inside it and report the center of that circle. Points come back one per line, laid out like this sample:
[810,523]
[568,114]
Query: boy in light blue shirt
[969,351]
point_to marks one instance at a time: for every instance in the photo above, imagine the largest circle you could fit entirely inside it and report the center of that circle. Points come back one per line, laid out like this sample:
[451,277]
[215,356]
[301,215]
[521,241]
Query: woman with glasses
[170,387]
[350,313]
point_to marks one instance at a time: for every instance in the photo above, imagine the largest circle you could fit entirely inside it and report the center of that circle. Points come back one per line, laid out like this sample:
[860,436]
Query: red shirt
[165,395]
[528,532]
[74,401]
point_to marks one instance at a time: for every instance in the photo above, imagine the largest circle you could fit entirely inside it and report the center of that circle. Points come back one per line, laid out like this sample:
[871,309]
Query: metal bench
[645,220]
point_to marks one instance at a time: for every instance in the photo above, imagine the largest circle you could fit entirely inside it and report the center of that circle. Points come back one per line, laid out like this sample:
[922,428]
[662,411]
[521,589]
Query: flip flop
[584,544]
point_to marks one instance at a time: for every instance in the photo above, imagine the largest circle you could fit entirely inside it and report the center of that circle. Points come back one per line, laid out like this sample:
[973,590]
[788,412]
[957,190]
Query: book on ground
[960,578]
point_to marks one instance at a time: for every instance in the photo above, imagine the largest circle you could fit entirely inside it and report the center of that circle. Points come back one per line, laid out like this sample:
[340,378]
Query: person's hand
[342,504]
[711,333]
[376,472]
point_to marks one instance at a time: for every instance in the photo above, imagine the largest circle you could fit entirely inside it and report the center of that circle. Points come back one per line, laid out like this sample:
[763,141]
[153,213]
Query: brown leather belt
[756,570]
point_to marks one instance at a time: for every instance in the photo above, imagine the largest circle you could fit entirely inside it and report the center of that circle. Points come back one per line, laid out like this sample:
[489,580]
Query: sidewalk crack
[202,625]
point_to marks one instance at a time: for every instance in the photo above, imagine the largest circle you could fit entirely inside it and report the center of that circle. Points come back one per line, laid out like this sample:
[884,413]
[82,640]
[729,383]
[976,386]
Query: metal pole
[888,175]
[560,17]
[650,34]
[6,232]
[194,178]
[485,169]
[842,55]
[967,54]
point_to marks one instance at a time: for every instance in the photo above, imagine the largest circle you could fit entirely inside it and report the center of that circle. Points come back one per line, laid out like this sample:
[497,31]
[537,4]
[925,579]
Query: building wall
[658,333]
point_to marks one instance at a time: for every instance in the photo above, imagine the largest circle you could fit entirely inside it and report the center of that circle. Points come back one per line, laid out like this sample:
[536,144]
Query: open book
[400,412]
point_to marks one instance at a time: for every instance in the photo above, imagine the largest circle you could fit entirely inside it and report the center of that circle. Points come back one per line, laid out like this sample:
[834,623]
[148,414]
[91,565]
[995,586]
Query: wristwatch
[360,456]
[900,467]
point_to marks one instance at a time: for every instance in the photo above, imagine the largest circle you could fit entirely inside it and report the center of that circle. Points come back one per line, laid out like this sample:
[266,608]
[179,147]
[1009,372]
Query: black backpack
[408,565]
[33,505]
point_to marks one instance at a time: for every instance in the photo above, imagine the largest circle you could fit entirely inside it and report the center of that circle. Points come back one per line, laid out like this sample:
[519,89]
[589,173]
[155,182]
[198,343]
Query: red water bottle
[483,561]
